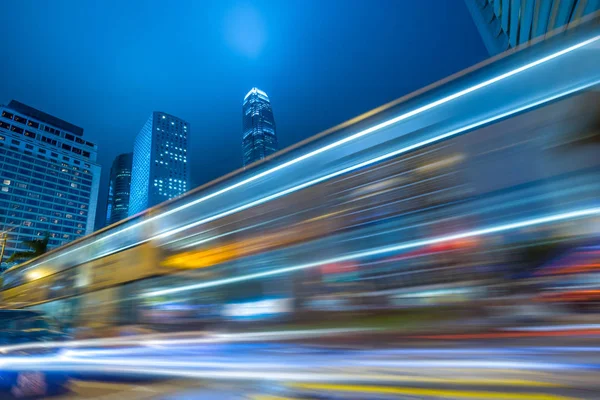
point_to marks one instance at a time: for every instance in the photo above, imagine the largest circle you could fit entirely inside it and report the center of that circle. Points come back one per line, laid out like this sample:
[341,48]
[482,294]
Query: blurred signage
[259,309]
[125,266]
[340,272]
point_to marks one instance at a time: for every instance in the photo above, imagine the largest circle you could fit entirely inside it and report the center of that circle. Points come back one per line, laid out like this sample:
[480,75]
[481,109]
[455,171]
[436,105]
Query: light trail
[338,143]
[157,366]
[388,249]
[183,338]
[179,350]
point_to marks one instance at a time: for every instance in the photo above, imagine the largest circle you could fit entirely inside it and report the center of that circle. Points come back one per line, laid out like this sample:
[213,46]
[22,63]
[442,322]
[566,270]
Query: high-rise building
[117,204]
[258,127]
[49,178]
[504,24]
[159,171]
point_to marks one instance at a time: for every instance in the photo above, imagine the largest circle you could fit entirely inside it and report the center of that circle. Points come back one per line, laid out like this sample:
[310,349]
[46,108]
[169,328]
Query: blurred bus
[344,221]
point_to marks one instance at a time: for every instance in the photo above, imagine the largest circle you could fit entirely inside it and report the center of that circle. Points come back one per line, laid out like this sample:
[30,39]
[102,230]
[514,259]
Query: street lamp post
[4,237]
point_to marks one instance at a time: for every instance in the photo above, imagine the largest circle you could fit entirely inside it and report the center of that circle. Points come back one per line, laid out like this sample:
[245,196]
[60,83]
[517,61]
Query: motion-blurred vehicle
[22,327]
[98,331]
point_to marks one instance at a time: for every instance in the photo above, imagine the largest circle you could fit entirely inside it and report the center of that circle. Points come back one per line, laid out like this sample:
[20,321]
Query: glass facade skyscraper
[259,139]
[49,178]
[117,204]
[504,24]
[159,170]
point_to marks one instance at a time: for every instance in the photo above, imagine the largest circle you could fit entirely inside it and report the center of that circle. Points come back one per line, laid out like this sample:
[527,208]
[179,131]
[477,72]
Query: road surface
[527,368]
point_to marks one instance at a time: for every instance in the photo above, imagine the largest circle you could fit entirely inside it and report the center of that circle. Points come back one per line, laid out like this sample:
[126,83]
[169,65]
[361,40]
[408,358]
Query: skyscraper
[159,171]
[259,139]
[117,204]
[48,178]
[504,24]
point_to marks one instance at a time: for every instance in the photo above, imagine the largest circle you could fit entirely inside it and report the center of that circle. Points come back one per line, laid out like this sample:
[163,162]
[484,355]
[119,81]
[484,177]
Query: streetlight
[4,239]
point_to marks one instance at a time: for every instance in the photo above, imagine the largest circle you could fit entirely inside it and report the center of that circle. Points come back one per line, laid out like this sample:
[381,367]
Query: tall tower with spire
[259,139]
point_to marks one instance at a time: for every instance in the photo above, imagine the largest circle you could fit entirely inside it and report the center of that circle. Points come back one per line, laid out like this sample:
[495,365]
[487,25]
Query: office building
[159,171]
[505,24]
[117,204]
[49,178]
[258,127]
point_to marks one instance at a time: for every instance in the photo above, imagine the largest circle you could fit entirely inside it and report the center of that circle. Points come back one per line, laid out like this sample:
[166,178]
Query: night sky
[106,65]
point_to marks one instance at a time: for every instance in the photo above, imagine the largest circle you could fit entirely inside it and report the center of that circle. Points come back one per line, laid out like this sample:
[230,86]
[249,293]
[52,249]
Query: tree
[37,246]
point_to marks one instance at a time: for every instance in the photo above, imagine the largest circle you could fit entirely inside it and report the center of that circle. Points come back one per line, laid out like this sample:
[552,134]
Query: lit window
[4,189]
[163,117]
[7,181]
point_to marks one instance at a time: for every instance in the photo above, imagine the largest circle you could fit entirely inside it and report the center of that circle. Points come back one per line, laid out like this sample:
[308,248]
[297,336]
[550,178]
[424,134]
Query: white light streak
[180,338]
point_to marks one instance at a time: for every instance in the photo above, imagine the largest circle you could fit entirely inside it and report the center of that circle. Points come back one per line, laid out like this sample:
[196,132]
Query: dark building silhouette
[117,205]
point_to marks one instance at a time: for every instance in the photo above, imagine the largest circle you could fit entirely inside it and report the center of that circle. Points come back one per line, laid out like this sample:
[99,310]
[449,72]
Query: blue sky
[106,65]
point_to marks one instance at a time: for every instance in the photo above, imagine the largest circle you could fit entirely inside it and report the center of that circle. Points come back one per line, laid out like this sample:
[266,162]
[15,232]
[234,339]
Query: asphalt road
[552,368]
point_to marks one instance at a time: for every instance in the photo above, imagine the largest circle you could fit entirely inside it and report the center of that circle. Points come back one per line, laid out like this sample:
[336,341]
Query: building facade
[117,204]
[49,178]
[159,170]
[505,24]
[259,138]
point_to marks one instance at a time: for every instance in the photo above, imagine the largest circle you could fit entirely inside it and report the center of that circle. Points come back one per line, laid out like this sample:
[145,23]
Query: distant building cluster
[50,180]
